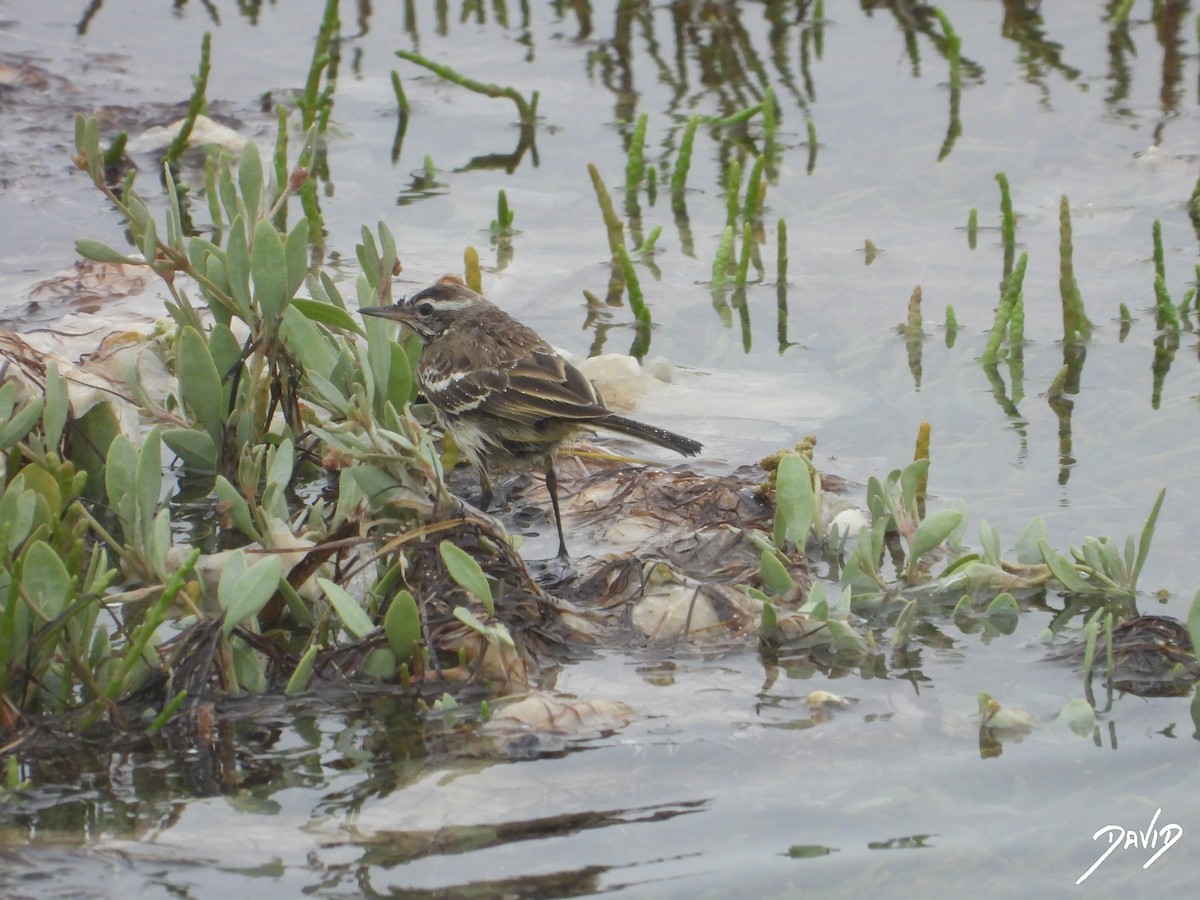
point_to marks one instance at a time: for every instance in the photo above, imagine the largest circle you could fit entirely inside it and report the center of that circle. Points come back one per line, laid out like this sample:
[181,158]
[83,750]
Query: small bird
[503,393]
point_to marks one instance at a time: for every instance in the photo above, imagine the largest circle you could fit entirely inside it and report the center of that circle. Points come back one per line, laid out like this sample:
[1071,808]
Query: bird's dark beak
[385,312]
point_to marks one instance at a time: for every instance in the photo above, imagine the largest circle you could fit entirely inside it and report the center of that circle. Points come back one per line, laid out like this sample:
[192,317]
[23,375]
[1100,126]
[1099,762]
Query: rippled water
[726,782]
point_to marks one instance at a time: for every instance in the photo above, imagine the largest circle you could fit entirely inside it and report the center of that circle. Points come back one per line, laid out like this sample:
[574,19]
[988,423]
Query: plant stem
[196,105]
[1075,322]
[781,260]
[612,222]
[737,118]
[474,277]
[1004,311]
[684,161]
[744,263]
[526,109]
[733,187]
[720,269]
[636,166]
[637,302]
[1008,221]
[313,101]
[754,187]
[398,90]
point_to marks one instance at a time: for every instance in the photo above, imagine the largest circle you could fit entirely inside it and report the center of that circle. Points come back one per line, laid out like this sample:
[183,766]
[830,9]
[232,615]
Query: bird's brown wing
[542,385]
[525,384]
[454,384]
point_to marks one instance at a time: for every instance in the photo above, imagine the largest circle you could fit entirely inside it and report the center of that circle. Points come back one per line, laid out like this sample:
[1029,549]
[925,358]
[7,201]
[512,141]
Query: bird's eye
[425,309]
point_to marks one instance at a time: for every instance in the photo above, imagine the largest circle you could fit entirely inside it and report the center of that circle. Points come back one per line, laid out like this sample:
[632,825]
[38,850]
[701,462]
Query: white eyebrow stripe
[442,303]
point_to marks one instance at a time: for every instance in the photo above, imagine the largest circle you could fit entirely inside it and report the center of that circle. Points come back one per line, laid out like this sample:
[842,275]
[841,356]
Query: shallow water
[726,781]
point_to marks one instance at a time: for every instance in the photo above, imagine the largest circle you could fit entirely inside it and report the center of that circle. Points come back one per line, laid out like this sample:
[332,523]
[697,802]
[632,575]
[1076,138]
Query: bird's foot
[552,573]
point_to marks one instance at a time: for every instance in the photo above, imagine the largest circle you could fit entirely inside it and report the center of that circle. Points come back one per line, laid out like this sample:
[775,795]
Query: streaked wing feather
[469,392]
[544,385]
[452,386]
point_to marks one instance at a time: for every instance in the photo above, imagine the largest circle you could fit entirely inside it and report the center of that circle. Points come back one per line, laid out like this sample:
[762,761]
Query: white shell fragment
[205,132]
[551,714]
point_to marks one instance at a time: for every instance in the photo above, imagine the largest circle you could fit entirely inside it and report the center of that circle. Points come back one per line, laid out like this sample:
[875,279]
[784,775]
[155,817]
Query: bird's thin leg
[552,487]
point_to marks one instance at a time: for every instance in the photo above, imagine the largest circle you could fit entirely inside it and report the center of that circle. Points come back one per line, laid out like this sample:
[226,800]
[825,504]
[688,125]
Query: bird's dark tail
[660,436]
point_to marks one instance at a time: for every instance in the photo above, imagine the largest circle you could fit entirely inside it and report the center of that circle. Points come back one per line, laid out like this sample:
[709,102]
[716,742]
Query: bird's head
[431,311]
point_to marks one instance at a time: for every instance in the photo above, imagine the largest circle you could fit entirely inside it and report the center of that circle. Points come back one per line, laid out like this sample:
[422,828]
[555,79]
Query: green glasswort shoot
[1008,222]
[720,268]
[300,182]
[398,90]
[169,710]
[770,116]
[196,105]
[1076,325]
[733,188]
[754,189]
[781,260]
[526,109]
[1160,265]
[316,104]
[502,224]
[647,246]
[1016,324]
[914,326]
[921,448]
[1005,310]
[914,334]
[474,278]
[116,150]
[279,163]
[612,222]
[616,243]
[1058,384]
[972,227]
[953,46]
[811,126]
[401,117]
[1166,343]
[781,299]
[1016,347]
[743,270]
[738,118]
[637,302]
[1121,13]
[636,166]
[684,161]
[1165,314]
